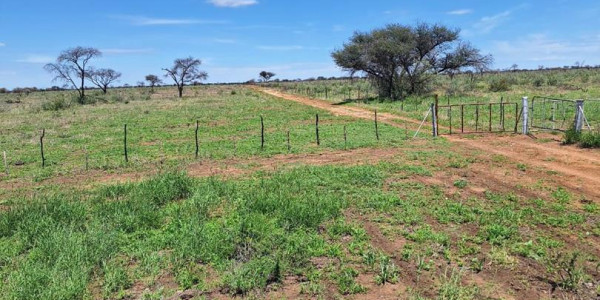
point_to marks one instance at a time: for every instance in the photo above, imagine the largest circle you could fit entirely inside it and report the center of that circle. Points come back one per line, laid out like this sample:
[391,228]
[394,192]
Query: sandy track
[579,169]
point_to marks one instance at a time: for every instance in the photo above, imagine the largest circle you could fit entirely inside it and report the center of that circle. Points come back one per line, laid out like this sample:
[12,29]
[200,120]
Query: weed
[461,184]
[452,289]
[566,269]
[388,272]
[346,282]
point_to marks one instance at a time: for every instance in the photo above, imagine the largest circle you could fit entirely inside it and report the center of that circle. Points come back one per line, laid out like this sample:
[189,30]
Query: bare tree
[153,80]
[102,78]
[185,70]
[266,76]
[71,65]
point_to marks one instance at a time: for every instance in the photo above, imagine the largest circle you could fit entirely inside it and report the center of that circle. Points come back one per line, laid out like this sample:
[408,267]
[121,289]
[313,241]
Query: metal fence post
[525,115]
[578,115]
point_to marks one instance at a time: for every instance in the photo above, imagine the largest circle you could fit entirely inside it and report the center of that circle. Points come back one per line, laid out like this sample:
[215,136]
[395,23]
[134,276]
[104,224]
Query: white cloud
[460,12]
[536,49]
[232,3]
[2,44]
[147,21]
[124,51]
[487,24]
[225,41]
[338,28]
[37,59]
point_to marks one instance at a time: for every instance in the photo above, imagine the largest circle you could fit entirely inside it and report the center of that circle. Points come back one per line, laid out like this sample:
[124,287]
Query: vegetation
[71,65]
[266,76]
[185,71]
[401,60]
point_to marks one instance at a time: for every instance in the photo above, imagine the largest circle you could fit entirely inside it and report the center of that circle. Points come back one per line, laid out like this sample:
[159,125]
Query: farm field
[495,88]
[458,217]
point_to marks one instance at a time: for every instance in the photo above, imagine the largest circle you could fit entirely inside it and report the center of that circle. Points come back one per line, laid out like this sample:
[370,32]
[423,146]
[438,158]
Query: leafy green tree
[266,76]
[402,60]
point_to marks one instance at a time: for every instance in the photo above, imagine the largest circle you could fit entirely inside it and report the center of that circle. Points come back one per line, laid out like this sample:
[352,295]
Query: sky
[236,39]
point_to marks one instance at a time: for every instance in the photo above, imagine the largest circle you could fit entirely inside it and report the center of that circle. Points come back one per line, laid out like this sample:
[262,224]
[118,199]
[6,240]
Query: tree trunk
[82,83]
[180,88]
[104,88]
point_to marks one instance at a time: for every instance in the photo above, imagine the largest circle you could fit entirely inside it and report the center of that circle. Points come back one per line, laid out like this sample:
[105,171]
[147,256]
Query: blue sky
[236,39]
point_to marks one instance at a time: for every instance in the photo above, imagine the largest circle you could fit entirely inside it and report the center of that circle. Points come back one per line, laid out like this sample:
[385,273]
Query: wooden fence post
[42,147]
[197,145]
[5,163]
[288,141]
[125,143]
[317,130]
[87,158]
[345,138]
[376,127]
[262,133]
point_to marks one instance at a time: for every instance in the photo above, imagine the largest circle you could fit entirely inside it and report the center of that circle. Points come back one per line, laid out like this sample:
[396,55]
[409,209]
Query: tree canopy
[402,60]
[266,76]
[185,70]
[72,65]
[102,78]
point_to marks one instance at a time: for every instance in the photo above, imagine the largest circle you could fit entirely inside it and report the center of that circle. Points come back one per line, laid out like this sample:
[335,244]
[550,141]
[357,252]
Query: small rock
[19,163]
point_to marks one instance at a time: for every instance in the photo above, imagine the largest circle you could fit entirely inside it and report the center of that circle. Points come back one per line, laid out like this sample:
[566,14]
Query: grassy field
[507,87]
[161,128]
[394,218]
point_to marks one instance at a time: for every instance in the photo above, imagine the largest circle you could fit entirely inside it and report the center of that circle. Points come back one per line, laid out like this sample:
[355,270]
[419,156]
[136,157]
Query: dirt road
[572,167]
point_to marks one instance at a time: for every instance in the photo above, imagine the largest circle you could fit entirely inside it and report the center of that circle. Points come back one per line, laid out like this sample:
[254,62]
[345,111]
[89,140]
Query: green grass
[464,89]
[161,129]
[239,236]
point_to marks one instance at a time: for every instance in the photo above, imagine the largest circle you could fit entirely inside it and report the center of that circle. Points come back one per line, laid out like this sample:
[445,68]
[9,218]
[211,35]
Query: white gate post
[578,115]
[525,115]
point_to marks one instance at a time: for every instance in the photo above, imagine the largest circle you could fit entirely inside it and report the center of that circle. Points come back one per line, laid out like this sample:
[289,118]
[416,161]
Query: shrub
[499,85]
[56,104]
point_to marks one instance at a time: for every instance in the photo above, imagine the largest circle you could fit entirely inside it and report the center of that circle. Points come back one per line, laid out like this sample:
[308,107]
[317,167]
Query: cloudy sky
[236,39]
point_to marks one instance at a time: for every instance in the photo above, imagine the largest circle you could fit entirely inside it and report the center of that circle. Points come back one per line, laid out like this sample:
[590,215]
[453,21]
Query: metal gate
[552,113]
[478,117]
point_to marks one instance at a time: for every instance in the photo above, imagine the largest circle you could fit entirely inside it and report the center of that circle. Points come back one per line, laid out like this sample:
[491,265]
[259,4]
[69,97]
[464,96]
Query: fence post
[525,115]
[436,114]
[345,138]
[42,147]
[125,142]
[434,119]
[317,130]
[196,135]
[578,115]
[5,163]
[289,146]
[262,133]
[376,127]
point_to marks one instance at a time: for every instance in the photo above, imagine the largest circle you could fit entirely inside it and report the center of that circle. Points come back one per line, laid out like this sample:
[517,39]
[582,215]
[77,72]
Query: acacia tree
[266,76]
[185,70]
[153,80]
[102,78]
[403,59]
[71,65]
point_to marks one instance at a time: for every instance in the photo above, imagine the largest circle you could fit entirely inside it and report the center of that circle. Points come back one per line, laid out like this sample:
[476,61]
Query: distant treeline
[513,69]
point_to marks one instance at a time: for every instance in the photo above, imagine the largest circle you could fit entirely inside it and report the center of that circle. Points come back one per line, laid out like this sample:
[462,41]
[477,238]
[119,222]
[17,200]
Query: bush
[499,85]
[585,140]
[590,140]
[56,104]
